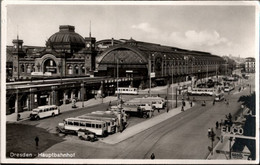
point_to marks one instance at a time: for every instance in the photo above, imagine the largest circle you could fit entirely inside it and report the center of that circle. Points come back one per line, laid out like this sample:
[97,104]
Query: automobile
[87,135]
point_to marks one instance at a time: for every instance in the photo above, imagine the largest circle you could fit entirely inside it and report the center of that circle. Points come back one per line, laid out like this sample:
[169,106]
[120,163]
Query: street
[183,136]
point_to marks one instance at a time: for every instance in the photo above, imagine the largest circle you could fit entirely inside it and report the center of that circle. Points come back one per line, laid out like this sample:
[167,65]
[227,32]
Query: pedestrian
[167,109]
[213,102]
[227,102]
[209,132]
[36,141]
[18,116]
[152,156]
[229,116]
[158,110]
[217,124]
[190,103]
[110,103]
[182,108]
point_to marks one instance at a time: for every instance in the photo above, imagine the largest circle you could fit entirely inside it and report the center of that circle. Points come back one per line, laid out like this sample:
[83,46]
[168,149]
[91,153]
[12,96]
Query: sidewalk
[221,150]
[68,107]
[131,131]
[63,108]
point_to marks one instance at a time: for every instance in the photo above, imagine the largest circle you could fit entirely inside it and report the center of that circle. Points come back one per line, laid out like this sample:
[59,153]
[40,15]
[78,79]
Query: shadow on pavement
[20,140]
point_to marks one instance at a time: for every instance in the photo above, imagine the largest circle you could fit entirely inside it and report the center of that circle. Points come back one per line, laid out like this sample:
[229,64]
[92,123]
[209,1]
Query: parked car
[87,135]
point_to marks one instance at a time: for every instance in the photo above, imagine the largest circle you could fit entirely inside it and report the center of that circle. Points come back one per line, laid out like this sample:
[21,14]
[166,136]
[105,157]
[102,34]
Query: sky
[218,29]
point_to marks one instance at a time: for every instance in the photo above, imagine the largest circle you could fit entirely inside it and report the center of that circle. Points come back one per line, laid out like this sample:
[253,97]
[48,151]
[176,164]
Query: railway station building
[68,55]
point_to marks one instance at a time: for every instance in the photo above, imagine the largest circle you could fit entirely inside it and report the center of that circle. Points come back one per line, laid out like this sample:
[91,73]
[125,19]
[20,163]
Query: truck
[156,102]
[143,110]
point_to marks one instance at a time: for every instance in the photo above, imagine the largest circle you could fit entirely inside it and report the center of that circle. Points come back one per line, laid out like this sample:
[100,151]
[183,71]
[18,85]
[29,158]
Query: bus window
[88,125]
[93,125]
[76,123]
[70,122]
[108,123]
[82,124]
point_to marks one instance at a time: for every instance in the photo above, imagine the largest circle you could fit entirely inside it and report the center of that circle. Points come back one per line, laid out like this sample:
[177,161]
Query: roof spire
[90,29]
[17,32]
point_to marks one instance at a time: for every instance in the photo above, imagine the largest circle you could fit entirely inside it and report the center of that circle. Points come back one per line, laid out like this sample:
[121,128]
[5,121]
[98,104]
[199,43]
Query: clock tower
[90,57]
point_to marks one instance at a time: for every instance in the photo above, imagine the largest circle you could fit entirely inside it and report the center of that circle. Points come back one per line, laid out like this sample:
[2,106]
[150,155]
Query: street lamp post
[117,79]
[176,96]
[230,147]
[150,79]
[212,135]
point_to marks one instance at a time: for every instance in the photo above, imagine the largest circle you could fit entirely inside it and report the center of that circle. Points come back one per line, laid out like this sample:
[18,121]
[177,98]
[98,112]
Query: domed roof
[66,36]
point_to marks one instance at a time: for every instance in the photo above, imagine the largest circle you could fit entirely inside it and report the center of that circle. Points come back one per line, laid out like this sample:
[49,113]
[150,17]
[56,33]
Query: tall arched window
[70,71]
[50,66]
[22,68]
[28,69]
[76,69]
[83,70]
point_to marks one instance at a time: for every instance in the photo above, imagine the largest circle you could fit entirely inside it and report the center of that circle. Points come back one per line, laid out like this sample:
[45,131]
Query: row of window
[84,124]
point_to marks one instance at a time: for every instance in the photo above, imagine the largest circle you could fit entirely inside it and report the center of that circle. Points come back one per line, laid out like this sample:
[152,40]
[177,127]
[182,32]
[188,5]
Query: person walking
[152,156]
[190,103]
[213,102]
[182,108]
[217,124]
[36,141]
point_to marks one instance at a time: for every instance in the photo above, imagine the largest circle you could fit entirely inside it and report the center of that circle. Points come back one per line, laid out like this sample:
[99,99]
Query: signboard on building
[37,73]
[47,74]
[129,71]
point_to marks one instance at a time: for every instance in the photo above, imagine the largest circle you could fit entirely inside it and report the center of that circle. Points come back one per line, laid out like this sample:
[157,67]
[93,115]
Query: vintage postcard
[130,82]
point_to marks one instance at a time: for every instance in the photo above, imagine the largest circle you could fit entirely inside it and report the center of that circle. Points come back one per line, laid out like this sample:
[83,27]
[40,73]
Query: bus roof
[96,118]
[80,119]
[101,115]
[45,106]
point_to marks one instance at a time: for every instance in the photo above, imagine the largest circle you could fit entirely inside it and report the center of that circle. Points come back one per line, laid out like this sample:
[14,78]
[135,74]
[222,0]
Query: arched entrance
[50,66]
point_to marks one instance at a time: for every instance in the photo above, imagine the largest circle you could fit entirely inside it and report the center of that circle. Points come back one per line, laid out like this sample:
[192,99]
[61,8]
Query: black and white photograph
[130,82]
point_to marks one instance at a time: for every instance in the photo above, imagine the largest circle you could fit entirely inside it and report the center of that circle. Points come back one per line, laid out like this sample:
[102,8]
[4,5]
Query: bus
[44,111]
[110,119]
[201,91]
[74,124]
[127,90]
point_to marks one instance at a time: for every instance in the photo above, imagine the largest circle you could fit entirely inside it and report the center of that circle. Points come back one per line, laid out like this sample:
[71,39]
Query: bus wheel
[37,118]
[52,114]
[145,115]
[105,134]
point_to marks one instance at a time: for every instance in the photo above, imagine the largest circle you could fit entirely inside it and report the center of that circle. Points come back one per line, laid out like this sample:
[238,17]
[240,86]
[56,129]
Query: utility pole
[150,79]
[117,80]
[230,148]
[172,83]
[212,135]
[176,97]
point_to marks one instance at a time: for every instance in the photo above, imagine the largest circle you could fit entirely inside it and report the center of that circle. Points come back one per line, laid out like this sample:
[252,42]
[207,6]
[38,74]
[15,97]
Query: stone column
[17,102]
[65,97]
[54,96]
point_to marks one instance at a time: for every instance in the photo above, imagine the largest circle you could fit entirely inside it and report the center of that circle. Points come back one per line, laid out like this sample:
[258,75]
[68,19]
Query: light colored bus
[44,111]
[74,124]
[110,119]
[201,91]
[127,90]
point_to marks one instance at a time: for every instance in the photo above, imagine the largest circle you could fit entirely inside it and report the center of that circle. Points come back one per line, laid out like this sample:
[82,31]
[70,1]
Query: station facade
[68,55]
